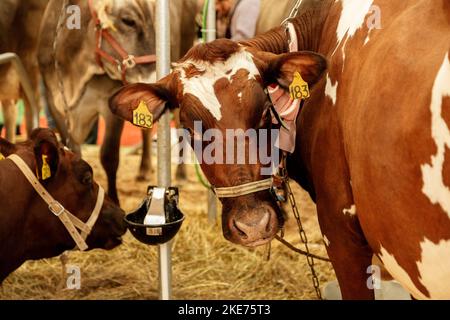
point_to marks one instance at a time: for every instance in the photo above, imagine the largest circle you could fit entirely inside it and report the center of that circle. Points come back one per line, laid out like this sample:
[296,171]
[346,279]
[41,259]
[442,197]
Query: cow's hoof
[144,176]
[181,173]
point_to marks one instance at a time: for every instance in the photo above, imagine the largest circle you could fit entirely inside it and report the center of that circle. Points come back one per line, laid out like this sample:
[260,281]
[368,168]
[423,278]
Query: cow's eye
[129,22]
[87,179]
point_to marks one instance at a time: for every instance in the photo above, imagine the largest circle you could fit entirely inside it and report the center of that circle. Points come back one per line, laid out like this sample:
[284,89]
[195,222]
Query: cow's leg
[349,252]
[145,169]
[30,114]
[180,174]
[110,152]
[10,116]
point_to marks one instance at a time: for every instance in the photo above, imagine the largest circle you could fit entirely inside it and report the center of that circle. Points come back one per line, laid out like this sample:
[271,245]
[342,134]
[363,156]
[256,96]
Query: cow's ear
[153,97]
[6,148]
[282,68]
[46,152]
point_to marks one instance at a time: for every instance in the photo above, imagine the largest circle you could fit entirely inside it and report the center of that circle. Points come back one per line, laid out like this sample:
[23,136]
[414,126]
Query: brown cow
[19,31]
[372,141]
[87,84]
[28,230]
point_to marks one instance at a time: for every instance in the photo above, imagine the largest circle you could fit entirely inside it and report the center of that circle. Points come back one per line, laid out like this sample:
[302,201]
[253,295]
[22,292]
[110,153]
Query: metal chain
[304,238]
[294,11]
[59,27]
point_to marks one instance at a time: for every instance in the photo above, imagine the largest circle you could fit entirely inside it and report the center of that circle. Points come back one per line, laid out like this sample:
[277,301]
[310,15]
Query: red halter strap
[126,61]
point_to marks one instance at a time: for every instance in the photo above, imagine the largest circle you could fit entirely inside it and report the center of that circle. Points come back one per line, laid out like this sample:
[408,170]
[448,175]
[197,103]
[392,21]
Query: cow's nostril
[254,229]
[240,227]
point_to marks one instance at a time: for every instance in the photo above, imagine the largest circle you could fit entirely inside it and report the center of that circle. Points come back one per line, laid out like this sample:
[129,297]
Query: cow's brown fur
[28,230]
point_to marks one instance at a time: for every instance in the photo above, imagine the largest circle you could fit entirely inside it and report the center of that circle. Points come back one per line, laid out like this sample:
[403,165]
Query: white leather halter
[70,222]
[244,189]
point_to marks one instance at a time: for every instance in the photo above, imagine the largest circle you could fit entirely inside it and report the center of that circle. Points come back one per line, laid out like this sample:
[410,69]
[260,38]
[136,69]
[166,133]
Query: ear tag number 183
[142,117]
[299,88]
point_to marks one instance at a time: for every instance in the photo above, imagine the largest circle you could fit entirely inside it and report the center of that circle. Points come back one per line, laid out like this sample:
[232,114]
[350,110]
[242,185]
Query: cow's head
[222,84]
[70,181]
[131,24]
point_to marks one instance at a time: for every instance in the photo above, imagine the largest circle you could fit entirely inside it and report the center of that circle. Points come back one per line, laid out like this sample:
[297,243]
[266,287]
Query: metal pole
[13,58]
[211,36]
[211,21]
[162,24]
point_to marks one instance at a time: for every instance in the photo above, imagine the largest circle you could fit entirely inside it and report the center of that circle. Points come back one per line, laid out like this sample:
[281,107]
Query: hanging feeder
[158,219]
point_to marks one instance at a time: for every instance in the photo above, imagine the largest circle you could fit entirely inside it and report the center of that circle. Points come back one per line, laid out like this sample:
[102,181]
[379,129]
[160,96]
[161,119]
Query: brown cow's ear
[6,148]
[155,97]
[46,152]
[281,68]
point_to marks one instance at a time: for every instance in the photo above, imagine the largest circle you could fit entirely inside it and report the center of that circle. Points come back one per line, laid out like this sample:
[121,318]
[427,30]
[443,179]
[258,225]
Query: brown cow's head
[71,183]
[222,85]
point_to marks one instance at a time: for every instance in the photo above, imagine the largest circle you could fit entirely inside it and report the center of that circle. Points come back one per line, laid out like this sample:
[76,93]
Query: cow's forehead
[201,84]
[103,7]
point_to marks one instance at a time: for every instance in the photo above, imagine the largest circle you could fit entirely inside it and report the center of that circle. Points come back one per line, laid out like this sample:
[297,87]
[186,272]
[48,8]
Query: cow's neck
[308,25]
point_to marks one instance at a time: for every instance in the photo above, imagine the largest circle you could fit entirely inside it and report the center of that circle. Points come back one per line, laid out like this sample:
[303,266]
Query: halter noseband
[244,189]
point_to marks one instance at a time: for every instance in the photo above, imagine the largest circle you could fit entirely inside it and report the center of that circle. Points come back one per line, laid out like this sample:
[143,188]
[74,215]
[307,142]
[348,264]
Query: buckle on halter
[56,208]
[129,62]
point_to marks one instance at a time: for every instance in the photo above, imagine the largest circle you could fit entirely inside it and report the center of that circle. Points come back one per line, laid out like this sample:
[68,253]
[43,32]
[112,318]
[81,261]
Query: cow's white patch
[350,211]
[331,90]
[326,241]
[352,18]
[434,268]
[399,273]
[240,96]
[432,174]
[367,40]
[202,86]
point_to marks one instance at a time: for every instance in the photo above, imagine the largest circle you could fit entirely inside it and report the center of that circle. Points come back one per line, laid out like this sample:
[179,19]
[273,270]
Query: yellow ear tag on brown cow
[142,117]
[2,157]
[299,88]
[46,171]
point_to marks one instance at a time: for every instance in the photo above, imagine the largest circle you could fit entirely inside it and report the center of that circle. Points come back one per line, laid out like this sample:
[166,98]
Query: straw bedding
[205,265]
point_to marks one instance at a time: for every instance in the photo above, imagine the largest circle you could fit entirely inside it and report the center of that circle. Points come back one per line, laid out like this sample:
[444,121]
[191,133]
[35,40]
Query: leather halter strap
[127,61]
[70,222]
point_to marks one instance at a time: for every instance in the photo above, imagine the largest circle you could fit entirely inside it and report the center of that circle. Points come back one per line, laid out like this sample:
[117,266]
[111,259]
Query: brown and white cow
[88,85]
[373,140]
[28,230]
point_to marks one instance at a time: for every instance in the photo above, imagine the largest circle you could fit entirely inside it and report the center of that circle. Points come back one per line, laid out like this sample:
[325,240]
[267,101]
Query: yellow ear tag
[299,88]
[46,172]
[2,157]
[142,117]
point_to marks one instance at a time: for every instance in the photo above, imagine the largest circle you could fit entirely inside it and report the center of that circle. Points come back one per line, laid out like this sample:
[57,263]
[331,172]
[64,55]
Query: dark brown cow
[372,141]
[28,230]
